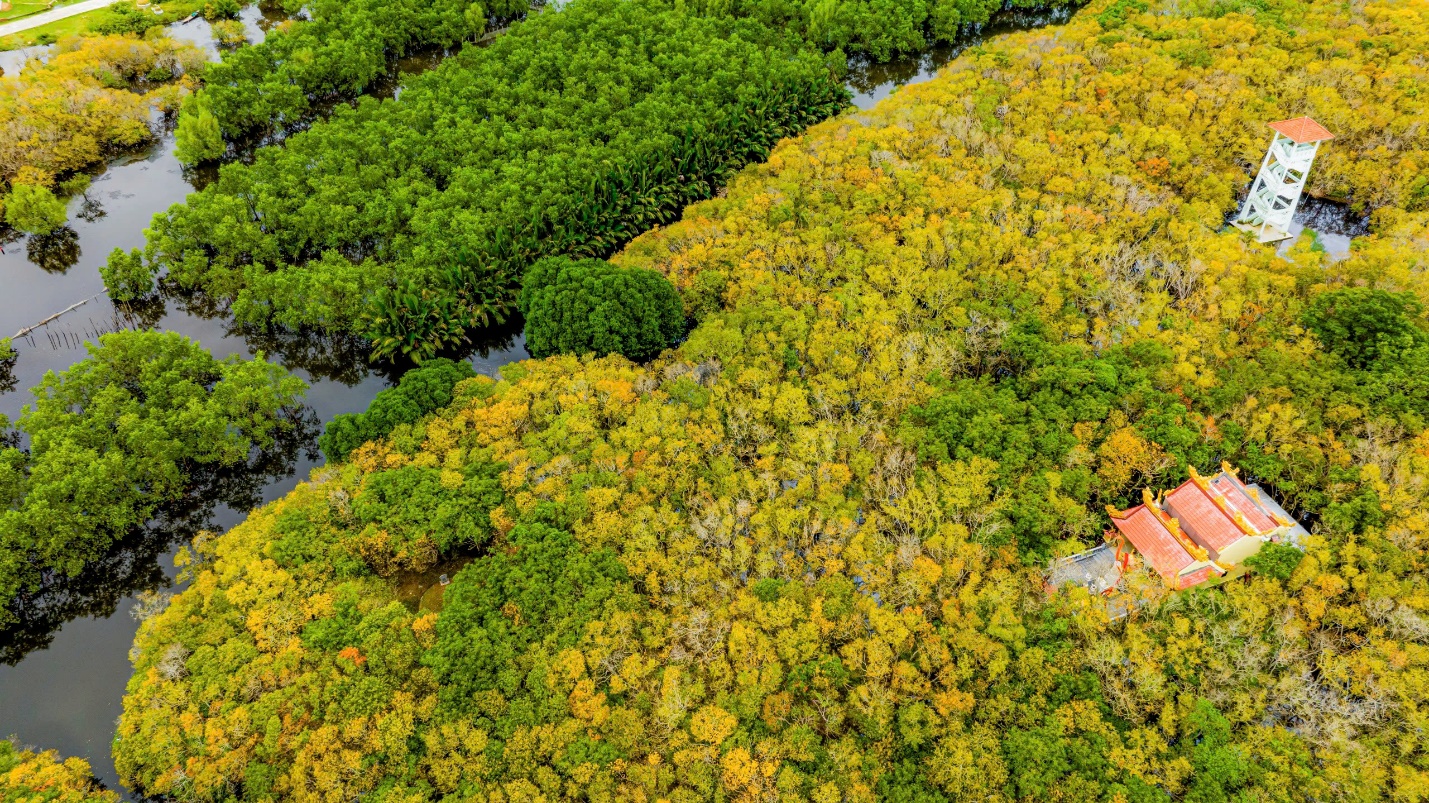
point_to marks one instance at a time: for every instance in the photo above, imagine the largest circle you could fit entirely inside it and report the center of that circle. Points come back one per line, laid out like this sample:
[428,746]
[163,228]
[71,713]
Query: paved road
[47,17]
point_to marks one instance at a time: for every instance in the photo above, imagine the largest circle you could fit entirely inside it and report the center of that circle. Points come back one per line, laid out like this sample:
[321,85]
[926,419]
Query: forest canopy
[799,556]
[571,133]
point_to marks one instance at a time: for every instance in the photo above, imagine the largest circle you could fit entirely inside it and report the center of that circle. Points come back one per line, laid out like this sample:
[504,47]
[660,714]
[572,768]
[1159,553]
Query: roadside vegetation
[798,556]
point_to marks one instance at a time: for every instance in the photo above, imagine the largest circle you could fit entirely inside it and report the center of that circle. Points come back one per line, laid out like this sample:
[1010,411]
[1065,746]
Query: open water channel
[62,680]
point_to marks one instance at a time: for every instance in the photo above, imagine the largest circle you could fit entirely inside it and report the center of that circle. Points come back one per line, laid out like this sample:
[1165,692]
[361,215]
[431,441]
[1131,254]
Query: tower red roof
[1302,130]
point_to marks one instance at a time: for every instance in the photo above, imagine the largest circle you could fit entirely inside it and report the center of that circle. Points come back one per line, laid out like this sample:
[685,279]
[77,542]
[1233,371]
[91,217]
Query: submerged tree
[118,435]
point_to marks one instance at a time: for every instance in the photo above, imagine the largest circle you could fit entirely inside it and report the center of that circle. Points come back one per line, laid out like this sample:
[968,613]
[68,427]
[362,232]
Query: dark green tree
[421,391]
[542,589]
[590,305]
[1364,325]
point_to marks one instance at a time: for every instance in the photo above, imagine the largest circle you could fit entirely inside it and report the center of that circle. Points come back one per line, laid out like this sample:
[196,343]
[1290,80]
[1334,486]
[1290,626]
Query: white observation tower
[1276,191]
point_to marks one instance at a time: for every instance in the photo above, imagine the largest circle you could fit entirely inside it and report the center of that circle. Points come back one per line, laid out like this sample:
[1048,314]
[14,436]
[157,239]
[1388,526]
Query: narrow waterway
[61,684]
[62,680]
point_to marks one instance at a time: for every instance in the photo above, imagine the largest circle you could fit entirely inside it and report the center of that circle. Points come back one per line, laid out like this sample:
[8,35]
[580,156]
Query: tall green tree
[117,435]
[34,210]
[590,305]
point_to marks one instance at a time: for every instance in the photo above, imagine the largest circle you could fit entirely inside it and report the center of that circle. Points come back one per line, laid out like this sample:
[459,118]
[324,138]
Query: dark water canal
[62,676]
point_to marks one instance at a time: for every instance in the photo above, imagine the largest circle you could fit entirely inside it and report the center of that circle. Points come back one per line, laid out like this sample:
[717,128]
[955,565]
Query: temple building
[1201,530]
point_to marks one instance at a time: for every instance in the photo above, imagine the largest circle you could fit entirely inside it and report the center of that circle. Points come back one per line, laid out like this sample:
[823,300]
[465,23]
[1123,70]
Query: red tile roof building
[1200,530]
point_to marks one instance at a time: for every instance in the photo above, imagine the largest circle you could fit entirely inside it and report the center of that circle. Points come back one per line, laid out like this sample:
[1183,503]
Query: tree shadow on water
[55,252]
[132,566]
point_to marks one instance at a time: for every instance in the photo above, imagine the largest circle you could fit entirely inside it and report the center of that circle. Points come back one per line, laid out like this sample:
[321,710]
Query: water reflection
[1333,224]
[7,384]
[55,252]
[872,81]
[132,565]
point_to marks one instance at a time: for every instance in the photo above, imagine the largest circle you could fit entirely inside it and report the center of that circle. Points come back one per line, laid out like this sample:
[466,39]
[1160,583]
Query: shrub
[420,392]
[1364,325]
[545,575]
[215,10]
[126,278]
[122,18]
[229,33]
[34,210]
[412,505]
[75,109]
[44,776]
[590,305]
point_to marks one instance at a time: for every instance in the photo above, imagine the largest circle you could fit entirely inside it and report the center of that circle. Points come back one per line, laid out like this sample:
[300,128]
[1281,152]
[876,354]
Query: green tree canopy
[590,305]
[117,435]
[421,391]
[1364,325]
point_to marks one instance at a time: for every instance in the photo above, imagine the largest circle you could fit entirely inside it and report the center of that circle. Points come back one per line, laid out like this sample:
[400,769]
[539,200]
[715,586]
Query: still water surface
[67,695]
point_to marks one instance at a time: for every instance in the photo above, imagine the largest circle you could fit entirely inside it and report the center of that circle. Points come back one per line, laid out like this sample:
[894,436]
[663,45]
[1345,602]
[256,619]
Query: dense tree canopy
[590,306]
[421,391]
[1365,325]
[799,556]
[337,51]
[878,29]
[413,219]
[119,434]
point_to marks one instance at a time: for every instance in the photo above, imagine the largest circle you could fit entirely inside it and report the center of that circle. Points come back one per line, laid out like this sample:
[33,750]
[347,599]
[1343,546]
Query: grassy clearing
[19,9]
